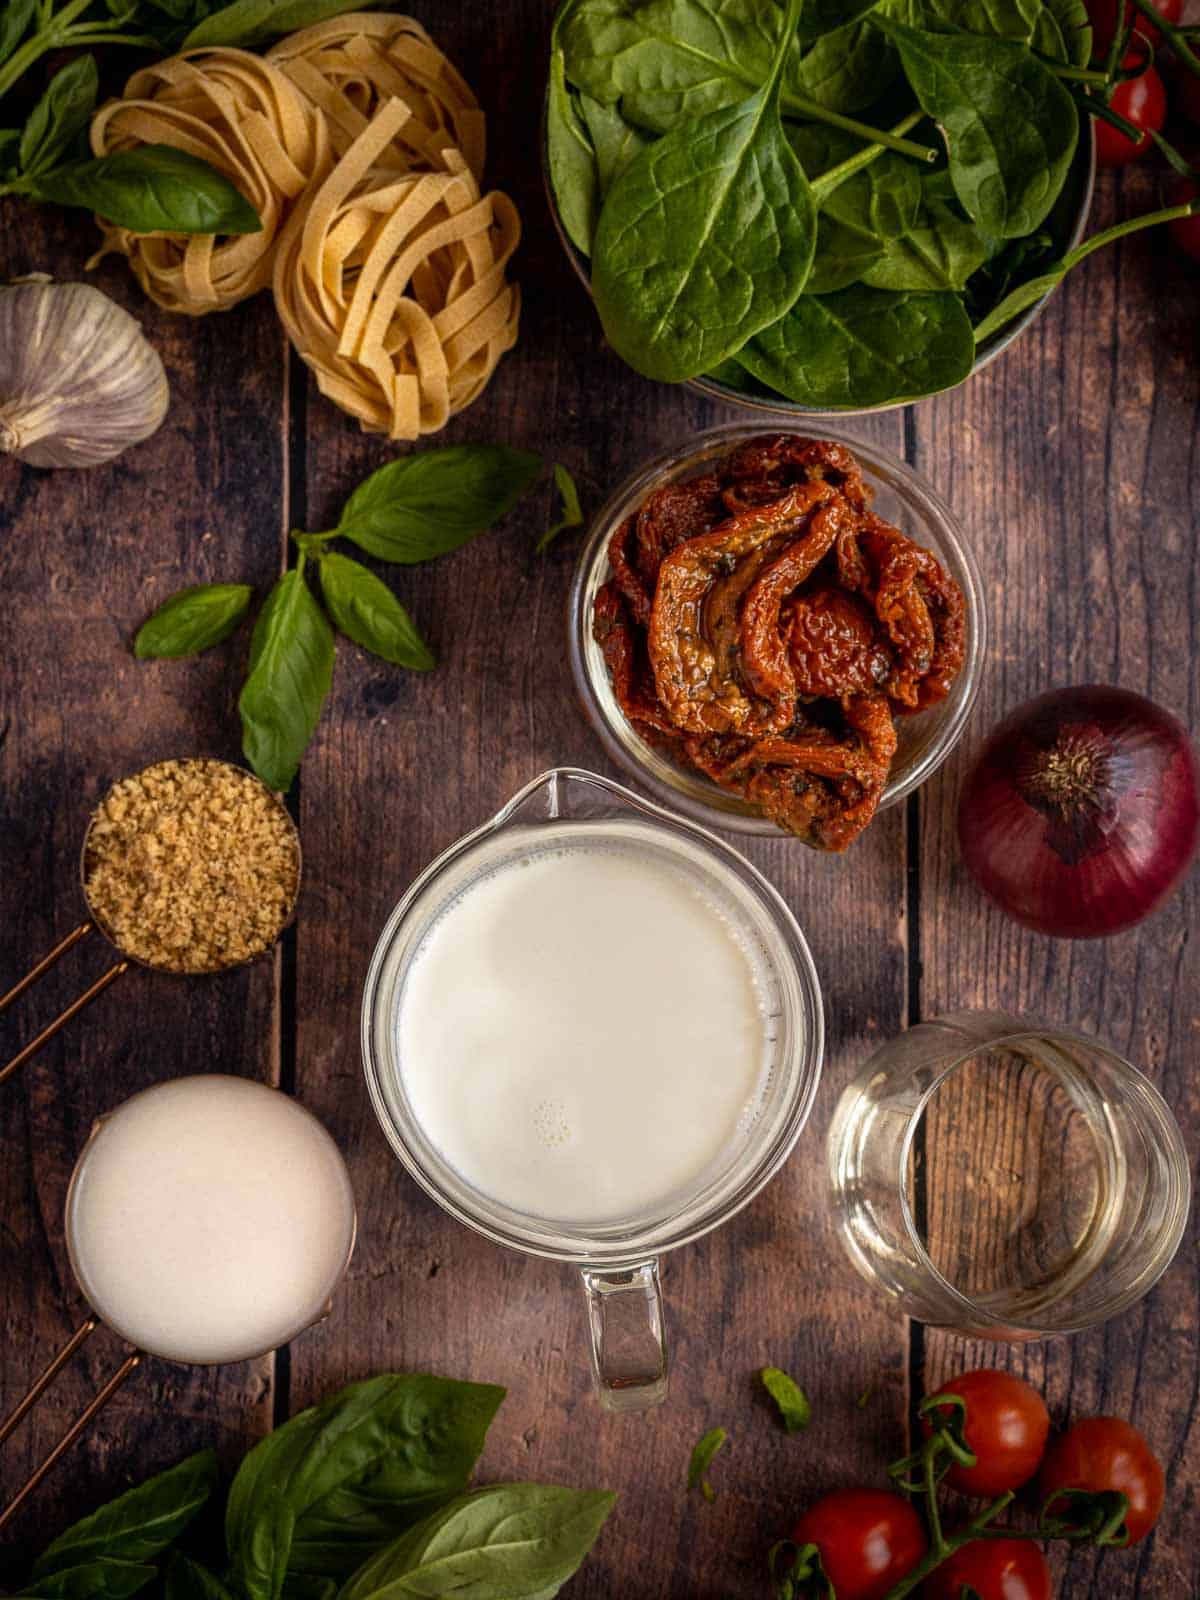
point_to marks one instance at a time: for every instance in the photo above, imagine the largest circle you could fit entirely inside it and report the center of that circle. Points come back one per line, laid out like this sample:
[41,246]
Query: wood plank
[84,556]
[1072,462]
[401,766]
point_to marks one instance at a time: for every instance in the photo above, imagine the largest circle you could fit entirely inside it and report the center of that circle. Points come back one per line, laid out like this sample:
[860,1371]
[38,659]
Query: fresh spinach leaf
[15,17]
[60,116]
[191,1580]
[135,1527]
[863,347]
[846,70]
[572,511]
[1076,28]
[858,217]
[517,1541]
[291,669]
[365,610]
[1028,22]
[335,1483]
[1007,165]
[818,17]
[154,188]
[97,1578]
[940,252]
[614,140]
[842,256]
[249,23]
[192,620]
[427,504]
[707,236]
[572,161]
[665,60]
[794,1408]
[702,1457]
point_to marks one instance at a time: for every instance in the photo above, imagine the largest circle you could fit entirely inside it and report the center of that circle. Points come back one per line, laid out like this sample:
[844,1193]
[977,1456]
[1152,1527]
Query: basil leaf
[614,140]
[515,1541]
[428,504]
[136,1526]
[338,1481]
[706,237]
[99,1578]
[702,1457]
[154,189]
[60,116]
[254,22]
[190,1580]
[15,17]
[940,252]
[366,610]
[864,347]
[1009,125]
[572,511]
[192,620]
[571,161]
[291,669]
[793,1403]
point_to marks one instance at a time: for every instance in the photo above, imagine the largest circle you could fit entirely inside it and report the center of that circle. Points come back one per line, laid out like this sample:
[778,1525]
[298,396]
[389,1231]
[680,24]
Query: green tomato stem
[1174,36]
[944,1547]
[827,182]
[890,141]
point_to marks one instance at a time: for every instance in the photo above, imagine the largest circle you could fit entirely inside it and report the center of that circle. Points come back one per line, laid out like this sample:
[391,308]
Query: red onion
[1083,811]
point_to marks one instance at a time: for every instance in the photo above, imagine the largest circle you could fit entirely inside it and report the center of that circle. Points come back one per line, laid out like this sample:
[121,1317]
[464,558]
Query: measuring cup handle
[629,1351]
[73,1010]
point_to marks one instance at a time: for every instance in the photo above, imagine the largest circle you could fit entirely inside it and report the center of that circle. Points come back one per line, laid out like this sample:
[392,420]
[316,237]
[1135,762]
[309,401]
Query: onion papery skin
[1097,856]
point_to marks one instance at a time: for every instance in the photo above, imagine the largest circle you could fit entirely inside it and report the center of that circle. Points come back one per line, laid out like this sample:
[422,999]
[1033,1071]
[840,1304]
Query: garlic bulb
[78,381]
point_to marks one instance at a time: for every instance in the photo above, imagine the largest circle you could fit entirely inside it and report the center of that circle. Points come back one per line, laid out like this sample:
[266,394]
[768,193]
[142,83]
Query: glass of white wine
[1005,1178]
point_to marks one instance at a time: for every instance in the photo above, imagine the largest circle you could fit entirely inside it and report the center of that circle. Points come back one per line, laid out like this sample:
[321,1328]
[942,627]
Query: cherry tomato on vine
[868,1540]
[1105,1455]
[996,1569]
[1102,14]
[1185,231]
[1142,101]
[1006,1428]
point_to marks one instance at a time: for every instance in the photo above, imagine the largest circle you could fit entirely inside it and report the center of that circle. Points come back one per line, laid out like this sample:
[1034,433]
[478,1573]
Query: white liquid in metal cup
[210,1219]
[584,1031]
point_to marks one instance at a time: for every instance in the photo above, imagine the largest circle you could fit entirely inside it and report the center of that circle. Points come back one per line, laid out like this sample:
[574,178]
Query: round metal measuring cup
[96,920]
[315,1219]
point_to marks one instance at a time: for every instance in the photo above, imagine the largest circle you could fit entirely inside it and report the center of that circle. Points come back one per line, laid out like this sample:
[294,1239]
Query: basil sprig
[411,510]
[365,1493]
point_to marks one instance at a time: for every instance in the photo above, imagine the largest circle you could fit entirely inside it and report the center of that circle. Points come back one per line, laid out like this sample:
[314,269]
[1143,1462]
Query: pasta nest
[350,66]
[391,284]
[247,119]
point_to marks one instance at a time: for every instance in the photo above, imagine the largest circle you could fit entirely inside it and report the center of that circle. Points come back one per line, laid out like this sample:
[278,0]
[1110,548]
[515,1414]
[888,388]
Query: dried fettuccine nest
[391,285]
[352,65]
[247,119]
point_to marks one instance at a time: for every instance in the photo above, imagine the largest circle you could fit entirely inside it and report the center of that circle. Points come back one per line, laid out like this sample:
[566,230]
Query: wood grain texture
[84,556]
[1072,465]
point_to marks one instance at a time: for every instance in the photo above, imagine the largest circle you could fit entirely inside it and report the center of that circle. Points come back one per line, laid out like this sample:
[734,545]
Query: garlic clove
[79,381]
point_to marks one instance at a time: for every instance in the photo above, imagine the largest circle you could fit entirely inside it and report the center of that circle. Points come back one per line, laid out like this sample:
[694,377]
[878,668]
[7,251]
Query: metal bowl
[1067,222]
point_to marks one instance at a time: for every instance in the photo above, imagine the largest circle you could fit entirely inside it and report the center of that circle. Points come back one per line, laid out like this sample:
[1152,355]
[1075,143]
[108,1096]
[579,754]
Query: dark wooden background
[1073,463]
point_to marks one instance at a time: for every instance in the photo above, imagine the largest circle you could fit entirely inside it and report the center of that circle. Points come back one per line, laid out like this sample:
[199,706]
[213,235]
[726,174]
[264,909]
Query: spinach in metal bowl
[936,204]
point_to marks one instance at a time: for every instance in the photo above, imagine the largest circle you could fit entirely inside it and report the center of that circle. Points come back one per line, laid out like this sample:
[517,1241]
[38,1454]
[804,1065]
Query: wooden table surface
[1074,464]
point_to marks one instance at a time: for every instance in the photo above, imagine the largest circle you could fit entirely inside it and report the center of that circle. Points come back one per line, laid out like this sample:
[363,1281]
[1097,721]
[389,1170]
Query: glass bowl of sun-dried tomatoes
[777,630]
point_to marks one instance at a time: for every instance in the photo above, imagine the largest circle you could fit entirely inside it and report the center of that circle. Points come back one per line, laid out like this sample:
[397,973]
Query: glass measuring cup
[1005,1178]
[209,1219]
[618,1259]
[96,920]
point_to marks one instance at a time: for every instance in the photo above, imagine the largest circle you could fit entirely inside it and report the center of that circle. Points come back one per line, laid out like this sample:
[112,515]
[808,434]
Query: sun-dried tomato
[765,626]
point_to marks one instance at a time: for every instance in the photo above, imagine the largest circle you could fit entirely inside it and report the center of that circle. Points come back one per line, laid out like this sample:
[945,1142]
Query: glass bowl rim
[736,816]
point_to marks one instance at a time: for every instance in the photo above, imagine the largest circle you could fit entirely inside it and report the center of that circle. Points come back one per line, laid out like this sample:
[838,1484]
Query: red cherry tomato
[1007,1427]
[1103,16]
[1185,231]
[996,1569]
[1142,101]
[1105,1455]
[868,1540]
